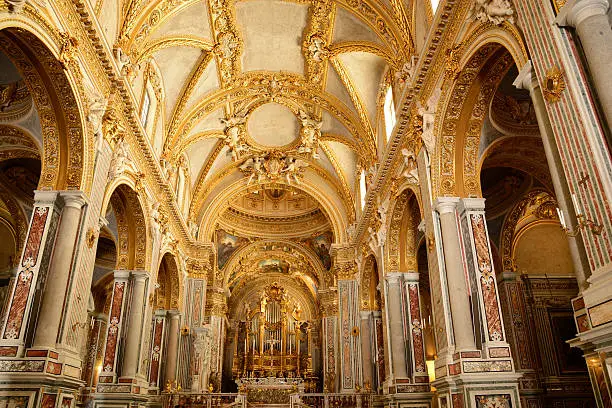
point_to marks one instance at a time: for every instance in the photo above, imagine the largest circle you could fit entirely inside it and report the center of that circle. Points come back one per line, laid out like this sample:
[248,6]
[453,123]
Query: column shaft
[526,80]
[396,326]
[455,275]
[131,357]
[172,347]
[590,19]
[51,310]
[367,341]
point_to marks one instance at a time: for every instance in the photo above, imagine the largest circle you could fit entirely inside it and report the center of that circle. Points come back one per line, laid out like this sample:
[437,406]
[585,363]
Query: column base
[474,390]
[409,400]
[26,383]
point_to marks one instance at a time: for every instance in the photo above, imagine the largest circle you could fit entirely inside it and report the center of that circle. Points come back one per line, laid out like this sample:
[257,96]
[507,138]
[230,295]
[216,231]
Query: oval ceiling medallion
[273,126]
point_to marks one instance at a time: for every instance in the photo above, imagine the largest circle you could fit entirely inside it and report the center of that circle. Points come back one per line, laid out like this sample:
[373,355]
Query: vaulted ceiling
[273,69]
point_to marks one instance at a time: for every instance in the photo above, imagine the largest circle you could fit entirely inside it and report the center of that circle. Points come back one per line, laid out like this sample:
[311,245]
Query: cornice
[99,58]
[447,24]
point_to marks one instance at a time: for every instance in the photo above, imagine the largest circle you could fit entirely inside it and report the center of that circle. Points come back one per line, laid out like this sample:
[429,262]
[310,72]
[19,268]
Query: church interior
[305,203]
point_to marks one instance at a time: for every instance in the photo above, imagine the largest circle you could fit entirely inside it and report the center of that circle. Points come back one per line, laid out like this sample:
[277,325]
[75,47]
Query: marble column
[368,342]
[115,327]
[133,339]
[527,80]
[34,263]
[157,354]
[455,274]
[174,320]
[397,346]
[590,19]
[54,294]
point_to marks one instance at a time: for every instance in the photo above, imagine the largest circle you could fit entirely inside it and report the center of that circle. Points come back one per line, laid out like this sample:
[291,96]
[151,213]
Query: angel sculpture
[409,168]
[255,167]
[311,130]
[292,169]
[233,135]
[494,11]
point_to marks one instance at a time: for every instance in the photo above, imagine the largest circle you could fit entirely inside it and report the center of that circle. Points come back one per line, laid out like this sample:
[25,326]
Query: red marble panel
[582,322]
[380,350]
[602,386]
[37,229]
[454,369]
[25,276]
[37,353]
[66,402]
[54,368]
[470,354]
[497,352]
[113,327]
[48,401]
[8,351]
[458,401]
[158,331]
[416,329]
[578,304]
[487,279]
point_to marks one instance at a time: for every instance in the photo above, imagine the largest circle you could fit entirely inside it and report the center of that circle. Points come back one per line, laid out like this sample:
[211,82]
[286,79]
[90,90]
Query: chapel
[305,204]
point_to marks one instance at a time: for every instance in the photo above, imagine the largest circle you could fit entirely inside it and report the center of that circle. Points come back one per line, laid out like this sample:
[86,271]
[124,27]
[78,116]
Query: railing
[212,400]
[332,401]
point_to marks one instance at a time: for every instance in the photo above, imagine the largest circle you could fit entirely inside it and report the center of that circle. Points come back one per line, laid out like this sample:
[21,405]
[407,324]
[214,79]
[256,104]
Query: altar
[270,390]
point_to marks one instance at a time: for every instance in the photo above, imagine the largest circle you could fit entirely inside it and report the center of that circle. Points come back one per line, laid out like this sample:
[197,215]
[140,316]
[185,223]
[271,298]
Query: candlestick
[561,217]
[576,206]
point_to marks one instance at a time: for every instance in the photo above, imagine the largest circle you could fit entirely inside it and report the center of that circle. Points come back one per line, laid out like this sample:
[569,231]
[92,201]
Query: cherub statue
[292,169]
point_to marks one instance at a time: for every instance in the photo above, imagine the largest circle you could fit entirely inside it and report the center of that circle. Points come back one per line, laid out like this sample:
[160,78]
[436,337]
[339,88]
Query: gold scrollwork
[554,85]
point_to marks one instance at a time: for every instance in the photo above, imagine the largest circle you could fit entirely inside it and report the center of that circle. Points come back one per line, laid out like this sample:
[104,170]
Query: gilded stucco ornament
[310,133]
[113,128]
[16,6]
[126,67]
[68,49]
[97,106]
[554,85]
[493,11]
[272,167]
[234,135]
[121,161]
[406,74]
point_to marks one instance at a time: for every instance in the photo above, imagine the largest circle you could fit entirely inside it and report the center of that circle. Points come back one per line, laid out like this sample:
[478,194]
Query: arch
[509,229]
[370,296]
[169,291]
[402,237]
[132,238]
[294,288]
[490,52]
[236,185]
[56,88]
[297,252]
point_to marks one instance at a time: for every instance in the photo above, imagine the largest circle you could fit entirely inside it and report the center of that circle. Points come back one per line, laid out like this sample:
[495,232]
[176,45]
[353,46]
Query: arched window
[389,111]
[362,188]
[144,110]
